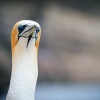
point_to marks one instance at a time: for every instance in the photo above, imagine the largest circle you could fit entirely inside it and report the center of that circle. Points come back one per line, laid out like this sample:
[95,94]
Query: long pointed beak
[28,30]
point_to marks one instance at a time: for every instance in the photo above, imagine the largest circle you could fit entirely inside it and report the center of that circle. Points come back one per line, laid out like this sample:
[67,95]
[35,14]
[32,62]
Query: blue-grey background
[69,52]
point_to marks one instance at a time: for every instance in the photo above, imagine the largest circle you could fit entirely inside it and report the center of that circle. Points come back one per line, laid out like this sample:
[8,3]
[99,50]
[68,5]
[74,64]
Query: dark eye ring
[37,29]
[21,28]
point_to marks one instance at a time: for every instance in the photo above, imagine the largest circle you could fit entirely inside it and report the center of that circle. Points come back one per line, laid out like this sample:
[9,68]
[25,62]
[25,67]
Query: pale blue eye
[37,29]
[21,28]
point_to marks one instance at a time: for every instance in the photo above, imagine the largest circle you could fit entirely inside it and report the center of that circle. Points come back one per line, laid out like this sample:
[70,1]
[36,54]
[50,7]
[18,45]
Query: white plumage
[24,60]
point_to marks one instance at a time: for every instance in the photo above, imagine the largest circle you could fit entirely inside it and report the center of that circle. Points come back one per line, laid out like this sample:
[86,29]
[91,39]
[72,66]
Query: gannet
[25,40]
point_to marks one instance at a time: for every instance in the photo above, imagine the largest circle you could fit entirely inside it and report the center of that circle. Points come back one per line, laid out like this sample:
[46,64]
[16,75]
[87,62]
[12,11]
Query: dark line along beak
[29,38]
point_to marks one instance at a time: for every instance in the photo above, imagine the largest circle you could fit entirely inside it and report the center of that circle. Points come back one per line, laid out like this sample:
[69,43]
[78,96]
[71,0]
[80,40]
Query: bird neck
[24,74]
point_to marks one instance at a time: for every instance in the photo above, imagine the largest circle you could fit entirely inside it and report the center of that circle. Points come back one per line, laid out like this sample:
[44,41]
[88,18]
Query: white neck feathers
[24,72]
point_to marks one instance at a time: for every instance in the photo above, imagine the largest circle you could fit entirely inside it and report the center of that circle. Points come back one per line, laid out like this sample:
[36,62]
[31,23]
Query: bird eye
[21,28]
[37,29]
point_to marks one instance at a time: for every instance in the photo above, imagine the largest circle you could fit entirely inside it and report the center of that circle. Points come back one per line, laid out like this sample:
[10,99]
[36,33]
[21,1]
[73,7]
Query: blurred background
[69,52]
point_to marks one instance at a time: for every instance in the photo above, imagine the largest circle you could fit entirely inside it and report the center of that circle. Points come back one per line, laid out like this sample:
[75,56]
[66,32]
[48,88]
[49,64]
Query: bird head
[24,32]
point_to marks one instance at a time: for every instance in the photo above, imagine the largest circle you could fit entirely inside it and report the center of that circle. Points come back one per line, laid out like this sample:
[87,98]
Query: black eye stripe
[21,28]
